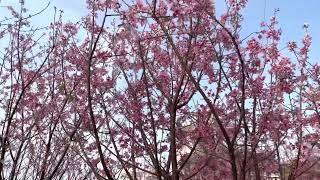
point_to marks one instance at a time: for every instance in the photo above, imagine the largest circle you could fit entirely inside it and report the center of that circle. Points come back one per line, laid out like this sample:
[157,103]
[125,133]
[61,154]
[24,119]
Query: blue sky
[292,15]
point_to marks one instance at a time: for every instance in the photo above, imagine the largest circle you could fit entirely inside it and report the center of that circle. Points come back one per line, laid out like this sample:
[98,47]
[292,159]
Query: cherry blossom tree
[160,89]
